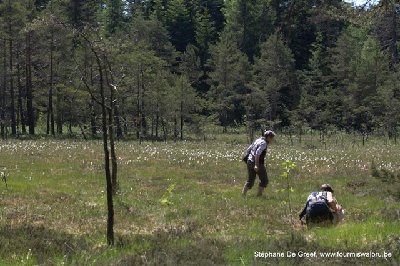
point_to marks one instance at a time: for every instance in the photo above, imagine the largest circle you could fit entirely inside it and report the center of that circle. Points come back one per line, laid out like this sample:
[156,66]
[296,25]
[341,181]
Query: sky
[361,2]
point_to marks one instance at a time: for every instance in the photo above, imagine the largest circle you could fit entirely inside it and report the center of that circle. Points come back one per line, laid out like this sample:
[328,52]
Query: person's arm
[258,152]
[303,212]
[257,162]
[331,201]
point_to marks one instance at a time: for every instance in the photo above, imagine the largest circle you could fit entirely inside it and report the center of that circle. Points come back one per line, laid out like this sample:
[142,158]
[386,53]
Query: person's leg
[251,178]
[339,212]
[319,214]
[335,218]
[338,216]
[262,174]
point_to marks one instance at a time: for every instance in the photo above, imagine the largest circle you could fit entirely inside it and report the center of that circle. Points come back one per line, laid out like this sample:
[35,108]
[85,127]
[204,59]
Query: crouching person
[255,162]
[322,208]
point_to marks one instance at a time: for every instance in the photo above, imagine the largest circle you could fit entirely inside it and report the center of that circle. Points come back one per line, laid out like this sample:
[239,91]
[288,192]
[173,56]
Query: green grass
[54,210]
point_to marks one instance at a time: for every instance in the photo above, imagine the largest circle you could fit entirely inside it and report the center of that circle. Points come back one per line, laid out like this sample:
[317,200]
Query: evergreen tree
[342,63]
[159,10]
[371,72]
[190,65]
[205,35]
[185,102]
[179,24]
[82,12]
[229,78]
[389,99]
[12,21]
[152,34]
[316,89]
[387,21]
[274,74]
[215,10]
[249,22]
[115,16]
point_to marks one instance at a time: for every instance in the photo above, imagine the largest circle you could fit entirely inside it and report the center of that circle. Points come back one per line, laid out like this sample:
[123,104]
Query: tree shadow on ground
[43,243]
[169,248]
[173,245]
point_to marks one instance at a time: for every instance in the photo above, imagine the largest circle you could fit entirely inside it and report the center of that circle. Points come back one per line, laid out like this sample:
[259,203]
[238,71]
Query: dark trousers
[319,212]
[262,174]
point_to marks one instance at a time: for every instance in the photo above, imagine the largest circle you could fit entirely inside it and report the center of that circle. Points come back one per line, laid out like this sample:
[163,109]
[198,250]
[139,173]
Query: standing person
[255,162]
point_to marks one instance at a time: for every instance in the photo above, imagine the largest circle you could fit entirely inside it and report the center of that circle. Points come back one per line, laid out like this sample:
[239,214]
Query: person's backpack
[246,157]
[318,209]
[247,153]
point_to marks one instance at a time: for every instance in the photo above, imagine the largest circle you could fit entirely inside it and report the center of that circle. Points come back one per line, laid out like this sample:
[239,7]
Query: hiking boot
[260,191]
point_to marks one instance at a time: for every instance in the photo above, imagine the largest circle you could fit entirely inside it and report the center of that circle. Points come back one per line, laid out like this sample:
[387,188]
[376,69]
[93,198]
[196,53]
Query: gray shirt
[258,147]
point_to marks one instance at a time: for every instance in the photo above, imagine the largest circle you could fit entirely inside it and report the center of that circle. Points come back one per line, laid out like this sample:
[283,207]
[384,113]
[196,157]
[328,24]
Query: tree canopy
[175,64]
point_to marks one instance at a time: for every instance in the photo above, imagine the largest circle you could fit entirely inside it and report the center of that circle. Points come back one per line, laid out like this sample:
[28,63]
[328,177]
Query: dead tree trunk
[141,117]
[20,113]
[59,120]
[107,128]
[137,118]
[114,165]
[50,110]
[3,92]
[29,95]
[110,207]
[157,120]
[117,120]
[143,123]
[105,122]
[175,127]
[12,92]
[93,126]
[181,120]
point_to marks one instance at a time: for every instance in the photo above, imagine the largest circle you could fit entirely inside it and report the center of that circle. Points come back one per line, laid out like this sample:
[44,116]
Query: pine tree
[205,35]
[159,10]
[342,63]
[247,21]
[229,77]
[274,74]
[151,33]
[179,25]
[115,16]
[190,65]
[316,88]
[389,100]
[12,21]
[371,71]
[82,12]
[387,29]
[185,103]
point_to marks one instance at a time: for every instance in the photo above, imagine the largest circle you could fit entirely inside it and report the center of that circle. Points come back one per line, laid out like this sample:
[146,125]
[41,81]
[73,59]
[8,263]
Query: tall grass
[54,208]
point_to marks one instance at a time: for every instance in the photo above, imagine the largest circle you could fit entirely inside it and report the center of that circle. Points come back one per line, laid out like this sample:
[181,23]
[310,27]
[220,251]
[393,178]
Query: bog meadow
[180,203]
[123,124]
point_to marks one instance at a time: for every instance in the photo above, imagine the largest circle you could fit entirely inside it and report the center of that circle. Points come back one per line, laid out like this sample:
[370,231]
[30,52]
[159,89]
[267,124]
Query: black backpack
[247,153]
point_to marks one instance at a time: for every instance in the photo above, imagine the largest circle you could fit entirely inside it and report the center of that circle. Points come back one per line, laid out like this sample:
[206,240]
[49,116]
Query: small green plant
[288,166]
[166,198]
